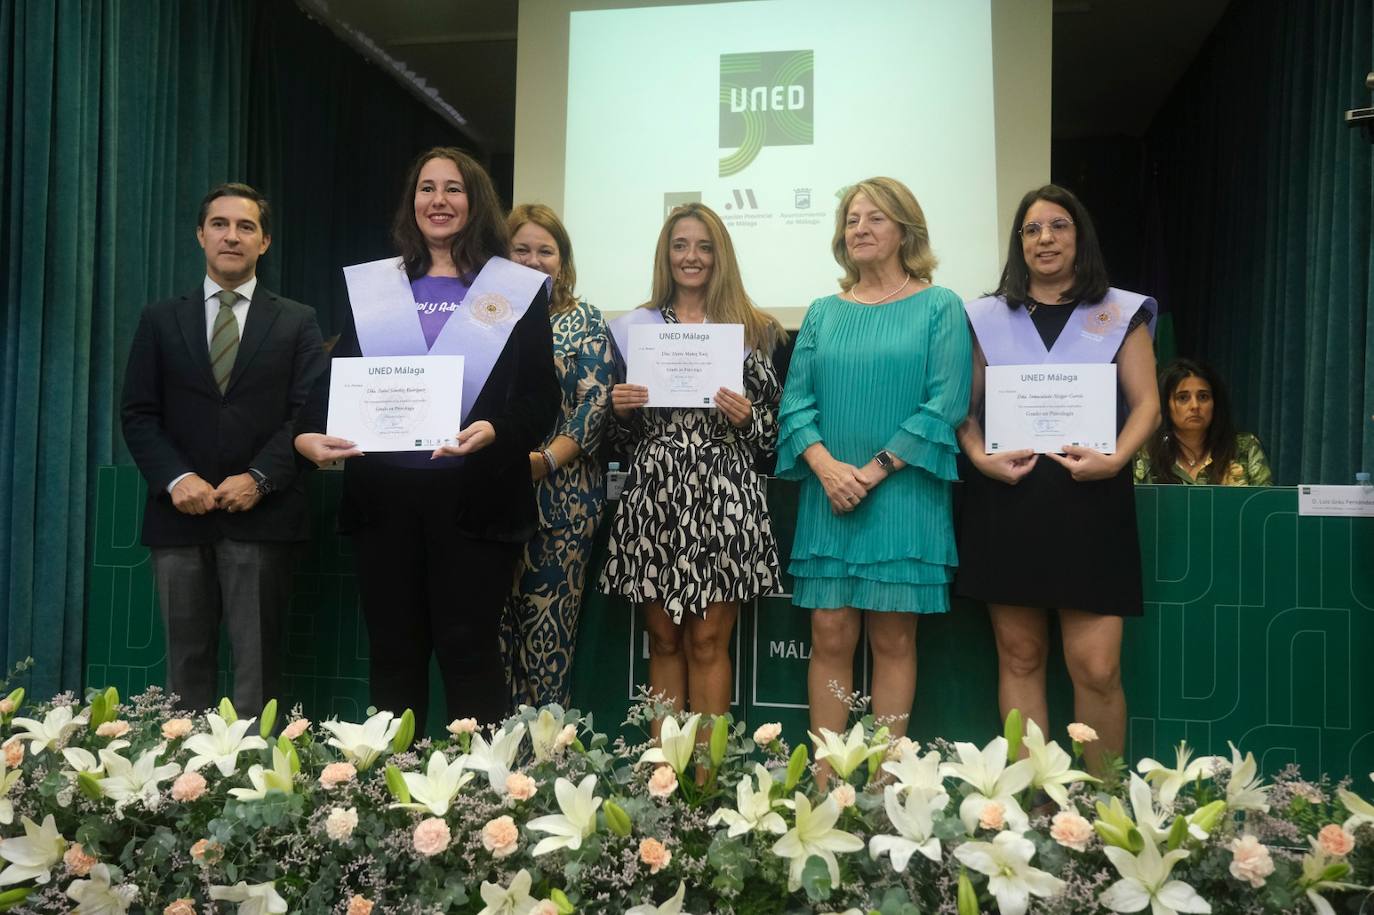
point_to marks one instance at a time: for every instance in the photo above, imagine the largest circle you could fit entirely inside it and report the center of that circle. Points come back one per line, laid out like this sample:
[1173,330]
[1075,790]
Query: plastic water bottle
[615,480]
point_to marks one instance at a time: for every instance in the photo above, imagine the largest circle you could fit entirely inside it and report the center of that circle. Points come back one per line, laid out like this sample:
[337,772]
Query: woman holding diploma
[541,625]
[1058,531]
[879,379]
[438,533]
[691,537]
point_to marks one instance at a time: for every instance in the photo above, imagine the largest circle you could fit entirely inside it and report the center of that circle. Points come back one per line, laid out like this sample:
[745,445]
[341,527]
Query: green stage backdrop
[1253,621]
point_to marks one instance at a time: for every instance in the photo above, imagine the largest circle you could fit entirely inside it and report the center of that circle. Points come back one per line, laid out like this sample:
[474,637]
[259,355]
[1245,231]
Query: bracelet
[549,461]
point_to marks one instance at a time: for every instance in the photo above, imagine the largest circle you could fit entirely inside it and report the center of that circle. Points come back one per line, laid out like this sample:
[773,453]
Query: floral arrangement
[109,806]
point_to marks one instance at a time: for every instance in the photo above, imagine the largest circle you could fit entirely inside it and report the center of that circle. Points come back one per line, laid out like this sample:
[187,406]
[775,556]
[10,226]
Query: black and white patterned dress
[692,526]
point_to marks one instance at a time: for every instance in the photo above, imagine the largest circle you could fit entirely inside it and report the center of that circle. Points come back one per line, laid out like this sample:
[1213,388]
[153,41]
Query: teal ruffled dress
[864,378]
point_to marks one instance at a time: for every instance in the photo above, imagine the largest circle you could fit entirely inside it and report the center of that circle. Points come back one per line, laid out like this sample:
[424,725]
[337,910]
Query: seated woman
[1197,442]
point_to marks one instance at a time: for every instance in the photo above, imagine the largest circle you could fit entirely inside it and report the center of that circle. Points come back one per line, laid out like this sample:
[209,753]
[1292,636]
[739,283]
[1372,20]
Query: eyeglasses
[1057,226]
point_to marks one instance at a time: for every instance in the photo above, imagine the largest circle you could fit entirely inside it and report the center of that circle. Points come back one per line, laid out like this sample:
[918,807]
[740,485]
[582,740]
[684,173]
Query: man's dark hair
[247,192]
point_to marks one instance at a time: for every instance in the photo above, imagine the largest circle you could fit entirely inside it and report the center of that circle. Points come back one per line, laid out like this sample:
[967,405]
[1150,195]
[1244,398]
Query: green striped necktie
[224,340]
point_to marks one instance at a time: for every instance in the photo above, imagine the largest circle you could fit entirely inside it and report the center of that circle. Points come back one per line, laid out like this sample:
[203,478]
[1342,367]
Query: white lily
[845,753]
[1171,781]
[512,900]
[435,788]
[1145,882]
[81,760]
[575,823]
[1006,861]
[920,773]
[672,906]
[1321,871]
[222,745]
[1148,820]
[33,855]
[278,778]
[253,899]
[913,823]
[544,731]
[97,897]
[1052,767]
[1361,811]
[126,782]
[495,758]
[814,835]
[1245,790]
[675,744]
[361,744]
[992,780]
[57,725]
[754,809]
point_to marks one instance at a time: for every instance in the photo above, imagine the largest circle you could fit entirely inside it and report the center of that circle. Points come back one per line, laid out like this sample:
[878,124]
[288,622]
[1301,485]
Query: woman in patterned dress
[541,620]
[691,538]
[1197,442]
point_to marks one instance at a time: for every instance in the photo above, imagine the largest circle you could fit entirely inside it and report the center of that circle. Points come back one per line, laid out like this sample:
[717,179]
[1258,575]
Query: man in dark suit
[214,382]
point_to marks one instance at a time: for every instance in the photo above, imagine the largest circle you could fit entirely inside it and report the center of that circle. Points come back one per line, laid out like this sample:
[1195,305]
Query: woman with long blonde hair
[541,619]
[691,538]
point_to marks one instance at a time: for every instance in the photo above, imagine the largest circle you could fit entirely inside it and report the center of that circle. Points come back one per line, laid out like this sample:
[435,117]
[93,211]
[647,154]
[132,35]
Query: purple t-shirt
[437,297]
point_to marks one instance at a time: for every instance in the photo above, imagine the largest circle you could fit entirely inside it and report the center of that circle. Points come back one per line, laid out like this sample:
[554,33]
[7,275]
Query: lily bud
[405,733]
[1014,731]
[269,718]
[796,767]
[617,820]
[227,711]
[720,734]
[396,784]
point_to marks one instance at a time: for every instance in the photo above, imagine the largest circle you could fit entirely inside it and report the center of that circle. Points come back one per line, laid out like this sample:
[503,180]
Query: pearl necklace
[884,298]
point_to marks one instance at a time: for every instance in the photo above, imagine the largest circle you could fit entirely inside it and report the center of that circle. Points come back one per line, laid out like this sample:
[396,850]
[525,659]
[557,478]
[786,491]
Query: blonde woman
[878,382]
[541,622]
[691,538]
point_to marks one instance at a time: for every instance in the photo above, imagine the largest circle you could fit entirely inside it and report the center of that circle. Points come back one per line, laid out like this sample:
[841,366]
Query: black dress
[1049,541]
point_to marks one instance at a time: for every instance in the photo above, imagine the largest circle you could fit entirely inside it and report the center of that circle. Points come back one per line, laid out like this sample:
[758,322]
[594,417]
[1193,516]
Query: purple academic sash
[620,327]
[384,313]
[1094,333]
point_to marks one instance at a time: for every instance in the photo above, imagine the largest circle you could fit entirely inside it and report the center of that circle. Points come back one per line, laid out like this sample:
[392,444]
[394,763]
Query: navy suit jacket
[176,420]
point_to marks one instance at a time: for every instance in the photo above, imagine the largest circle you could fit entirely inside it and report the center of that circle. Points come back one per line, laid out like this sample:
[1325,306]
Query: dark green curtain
[116,117]
[1265,200]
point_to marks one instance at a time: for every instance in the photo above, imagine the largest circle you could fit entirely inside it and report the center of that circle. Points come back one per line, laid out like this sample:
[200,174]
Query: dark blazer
[176,420]
[494,494]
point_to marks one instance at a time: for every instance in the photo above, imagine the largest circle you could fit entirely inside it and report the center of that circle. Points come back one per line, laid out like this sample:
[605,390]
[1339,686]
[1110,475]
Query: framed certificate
[1045,407]
[396,403]
[684,365]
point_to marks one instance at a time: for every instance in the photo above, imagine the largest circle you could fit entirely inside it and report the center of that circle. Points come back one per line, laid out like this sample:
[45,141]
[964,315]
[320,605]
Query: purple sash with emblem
[384,314]
[1094,333]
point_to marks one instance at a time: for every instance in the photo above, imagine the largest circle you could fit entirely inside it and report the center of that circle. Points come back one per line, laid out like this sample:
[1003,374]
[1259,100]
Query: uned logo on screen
[766,99]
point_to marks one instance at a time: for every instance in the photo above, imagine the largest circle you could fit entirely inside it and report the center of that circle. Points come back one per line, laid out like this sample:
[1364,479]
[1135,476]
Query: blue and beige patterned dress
[542,613]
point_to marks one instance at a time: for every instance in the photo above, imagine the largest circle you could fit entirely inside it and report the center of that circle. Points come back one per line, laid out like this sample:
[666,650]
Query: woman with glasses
[1058,531]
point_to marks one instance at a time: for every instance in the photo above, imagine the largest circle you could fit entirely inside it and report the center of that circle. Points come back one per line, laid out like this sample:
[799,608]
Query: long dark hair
[1090,270]
[482,237]
[1220,440]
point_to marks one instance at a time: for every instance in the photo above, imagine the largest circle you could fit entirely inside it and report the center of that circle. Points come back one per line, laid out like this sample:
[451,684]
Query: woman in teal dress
[541,620]
[878,382]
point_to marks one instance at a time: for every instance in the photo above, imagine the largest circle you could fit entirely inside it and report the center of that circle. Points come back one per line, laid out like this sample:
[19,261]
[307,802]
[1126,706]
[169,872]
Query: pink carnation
[181,906]
[653,853]
[359,905]
[1334,840]
[992,816]
[520,786]
[340,823]
[112,729]
[207,852]
[544,907]
[78,863]
[844,795]
[296,728]
[174,728]
[431,837]
[1071,830]
[1250,861]
[501,837]
[14,753]
[1081,732]
[188,787]
[6,706]
[565,738]
[663,782]
[462,726]
[336,773]
[767,733]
